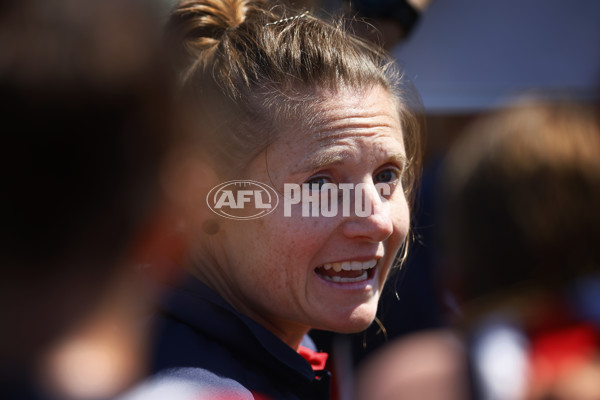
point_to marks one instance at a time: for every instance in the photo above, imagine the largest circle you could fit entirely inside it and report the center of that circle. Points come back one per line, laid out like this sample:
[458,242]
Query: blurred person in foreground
[85,109]
[426,365]
[522,223]
[282,99]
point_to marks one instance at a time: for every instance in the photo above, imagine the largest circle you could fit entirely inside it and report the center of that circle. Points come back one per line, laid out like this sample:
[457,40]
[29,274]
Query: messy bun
[197,28]
[212,16]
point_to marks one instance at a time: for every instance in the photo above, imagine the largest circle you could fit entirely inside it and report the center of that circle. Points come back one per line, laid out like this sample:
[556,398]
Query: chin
[354,327]
[358,320]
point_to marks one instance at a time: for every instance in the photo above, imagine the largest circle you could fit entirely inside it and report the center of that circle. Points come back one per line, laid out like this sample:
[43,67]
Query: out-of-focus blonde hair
[523,190]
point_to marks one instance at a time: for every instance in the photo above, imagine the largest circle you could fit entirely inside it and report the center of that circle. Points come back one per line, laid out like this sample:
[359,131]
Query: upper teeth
[350,265]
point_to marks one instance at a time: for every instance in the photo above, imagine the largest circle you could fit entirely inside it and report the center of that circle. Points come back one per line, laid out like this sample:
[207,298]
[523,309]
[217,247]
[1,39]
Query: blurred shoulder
[188,384]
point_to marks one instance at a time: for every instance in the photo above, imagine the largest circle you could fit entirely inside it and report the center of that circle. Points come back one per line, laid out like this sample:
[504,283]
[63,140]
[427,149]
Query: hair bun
[202,23]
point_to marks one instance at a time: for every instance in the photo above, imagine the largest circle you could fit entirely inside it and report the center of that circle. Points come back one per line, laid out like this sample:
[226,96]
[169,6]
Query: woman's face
[281,269]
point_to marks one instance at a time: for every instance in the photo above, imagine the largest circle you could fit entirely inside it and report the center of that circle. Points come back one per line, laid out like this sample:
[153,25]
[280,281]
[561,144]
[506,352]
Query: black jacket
[196,330]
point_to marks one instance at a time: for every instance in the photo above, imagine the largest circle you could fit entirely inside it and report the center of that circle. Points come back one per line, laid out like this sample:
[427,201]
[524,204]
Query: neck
[289,332]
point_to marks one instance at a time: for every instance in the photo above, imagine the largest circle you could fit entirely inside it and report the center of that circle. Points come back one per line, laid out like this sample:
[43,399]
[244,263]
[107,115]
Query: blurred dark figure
[522,223]
[85,106]
[386,22]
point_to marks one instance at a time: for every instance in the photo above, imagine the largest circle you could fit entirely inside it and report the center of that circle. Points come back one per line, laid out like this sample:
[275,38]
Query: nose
[370,220]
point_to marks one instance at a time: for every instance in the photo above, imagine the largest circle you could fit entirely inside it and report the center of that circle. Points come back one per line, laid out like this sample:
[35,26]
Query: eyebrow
[320,161]
[399,158]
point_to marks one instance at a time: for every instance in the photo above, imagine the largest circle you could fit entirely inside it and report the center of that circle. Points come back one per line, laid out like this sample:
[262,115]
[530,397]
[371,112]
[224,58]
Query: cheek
[278,256]
[278,245]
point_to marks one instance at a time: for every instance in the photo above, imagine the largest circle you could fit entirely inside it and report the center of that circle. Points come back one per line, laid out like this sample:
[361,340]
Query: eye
[317,182]
[387,175]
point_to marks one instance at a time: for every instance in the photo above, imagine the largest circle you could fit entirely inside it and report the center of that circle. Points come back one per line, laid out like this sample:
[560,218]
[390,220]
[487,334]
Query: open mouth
[347,271]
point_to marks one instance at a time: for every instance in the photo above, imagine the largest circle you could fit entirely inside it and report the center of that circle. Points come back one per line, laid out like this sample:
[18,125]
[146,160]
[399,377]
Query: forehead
[348,117]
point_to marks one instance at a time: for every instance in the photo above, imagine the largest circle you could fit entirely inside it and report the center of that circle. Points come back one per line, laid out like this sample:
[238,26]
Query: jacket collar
[197,305]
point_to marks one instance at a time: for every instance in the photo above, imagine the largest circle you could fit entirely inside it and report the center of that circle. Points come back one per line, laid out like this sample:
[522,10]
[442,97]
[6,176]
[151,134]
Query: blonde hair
[251,70]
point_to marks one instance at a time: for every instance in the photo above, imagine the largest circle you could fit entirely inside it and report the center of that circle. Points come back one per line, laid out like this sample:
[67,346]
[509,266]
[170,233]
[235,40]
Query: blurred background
[469,56]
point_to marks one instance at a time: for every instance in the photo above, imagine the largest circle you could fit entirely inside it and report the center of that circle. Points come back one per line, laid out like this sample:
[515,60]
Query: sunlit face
[281,270]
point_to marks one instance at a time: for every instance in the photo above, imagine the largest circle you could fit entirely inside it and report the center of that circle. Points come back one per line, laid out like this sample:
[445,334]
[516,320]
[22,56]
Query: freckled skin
[266,267]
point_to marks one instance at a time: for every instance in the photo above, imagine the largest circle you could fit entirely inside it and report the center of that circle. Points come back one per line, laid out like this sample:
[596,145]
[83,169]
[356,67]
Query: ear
[186,179]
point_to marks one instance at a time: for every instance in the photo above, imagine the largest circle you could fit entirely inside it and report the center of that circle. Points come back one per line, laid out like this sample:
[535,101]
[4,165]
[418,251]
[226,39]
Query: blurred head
[523,190]
[429,365]
[284,98]
[84,104]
